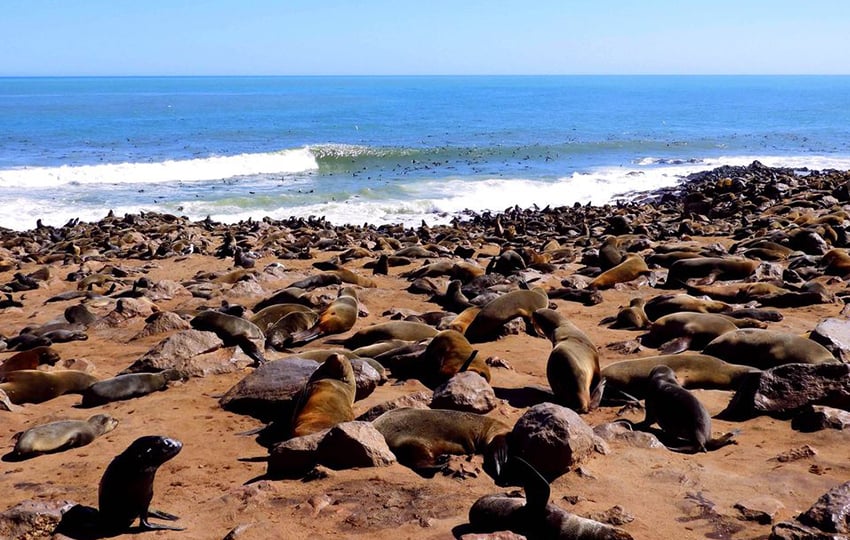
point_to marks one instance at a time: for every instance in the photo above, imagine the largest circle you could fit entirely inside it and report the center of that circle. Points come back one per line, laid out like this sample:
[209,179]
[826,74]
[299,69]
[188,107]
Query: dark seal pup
[126,488]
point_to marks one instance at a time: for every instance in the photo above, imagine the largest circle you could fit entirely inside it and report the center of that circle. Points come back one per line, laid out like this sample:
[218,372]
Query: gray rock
[788,389]
[552,439]
[834,334]
[295,457]
[187,351]
[366,376]
[622,433]
[270,390]
[164,321]
[818,417]
[126,309]
[246,289]
[32,519]
[467,391]
[354,444]
[831,512]
[419,400]
[166,290]
[792,530]
[761,509]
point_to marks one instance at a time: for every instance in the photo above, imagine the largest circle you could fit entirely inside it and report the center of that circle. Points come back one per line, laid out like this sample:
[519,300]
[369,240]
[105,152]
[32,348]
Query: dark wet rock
[419,400]
[761,509]
[467,391]
[354,444]
[817,417]
[792,530]
[834,334]
[787,389]
[270,390]
[553,439]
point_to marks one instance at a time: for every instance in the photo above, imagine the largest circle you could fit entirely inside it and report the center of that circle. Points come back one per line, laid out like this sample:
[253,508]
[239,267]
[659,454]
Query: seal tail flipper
[608,320]
[596,395]
[305,336]
[159,514]
[250,348]
[536,487]
[675,346]
[723,440]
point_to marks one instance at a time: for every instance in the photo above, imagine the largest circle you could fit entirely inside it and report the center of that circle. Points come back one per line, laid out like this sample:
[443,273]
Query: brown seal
[672,303]
[632,317]
[678,332]
[709,267]
[29,359]
[127,386]
[448,353]
[631,268]
[232,331]
[126,488]
[488,324]
[404,330]
[61,435]
[422,438]
[765,349]
[464,319]
[327,398]
[279,335]
[692,369]
[34,386]
[337,318]
[268,316]
[573,365]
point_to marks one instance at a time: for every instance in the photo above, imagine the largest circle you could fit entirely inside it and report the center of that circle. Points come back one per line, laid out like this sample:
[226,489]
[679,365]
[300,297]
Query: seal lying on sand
[127,386]
[34,386]
[532,516]
[487,324]
[232,331]
[61,435]
[126,488]
[422,438]
[765,349]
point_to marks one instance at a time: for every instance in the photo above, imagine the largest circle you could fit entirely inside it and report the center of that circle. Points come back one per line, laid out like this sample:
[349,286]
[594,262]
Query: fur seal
[573,365]
[487,325]
[631,268]
[422,438]
[29,359]
[712,267]
[327,398]
[127,386]
[678,332]
[279,335]
[337,318]
[61,435]
[666,304]
[447,354]
[126,488]
[679,413]
[533,516]
[692,370]
[268,316]
[34,386]
[632,317]
[765,349]
[404,330]
[232,331]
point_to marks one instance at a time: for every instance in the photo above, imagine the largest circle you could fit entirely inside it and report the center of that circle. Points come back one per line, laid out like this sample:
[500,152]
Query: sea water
[392,149]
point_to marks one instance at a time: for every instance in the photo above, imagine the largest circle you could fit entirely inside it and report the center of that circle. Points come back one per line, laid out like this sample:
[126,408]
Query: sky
[422,37]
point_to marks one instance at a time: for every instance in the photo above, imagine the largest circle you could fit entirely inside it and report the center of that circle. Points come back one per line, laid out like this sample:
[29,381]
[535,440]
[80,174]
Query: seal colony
[513,299]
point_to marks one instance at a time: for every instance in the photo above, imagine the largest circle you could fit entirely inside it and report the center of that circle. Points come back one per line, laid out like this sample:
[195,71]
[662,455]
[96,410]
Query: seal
[464,319]
[29,359]
[678,332]
[488,324]
[232,331]
[692,369]
[666,304]
[127,386]
[709,267]
[423,438]
[632,317]
[337,318]
[268,316]
[279,335]
[631,268]
[404,330]
[533,516]
[765,349]
[327,398]
[573,365]
[448,353]
[126,488]
[61,435]
[34,386]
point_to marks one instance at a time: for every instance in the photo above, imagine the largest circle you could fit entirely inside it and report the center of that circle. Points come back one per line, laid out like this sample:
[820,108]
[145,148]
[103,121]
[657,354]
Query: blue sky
[342,37]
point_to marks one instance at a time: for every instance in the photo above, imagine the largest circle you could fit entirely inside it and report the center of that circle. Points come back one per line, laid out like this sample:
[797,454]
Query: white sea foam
[187,170]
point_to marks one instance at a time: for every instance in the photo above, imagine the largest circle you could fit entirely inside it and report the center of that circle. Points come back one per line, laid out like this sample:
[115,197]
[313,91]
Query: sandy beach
[668,494]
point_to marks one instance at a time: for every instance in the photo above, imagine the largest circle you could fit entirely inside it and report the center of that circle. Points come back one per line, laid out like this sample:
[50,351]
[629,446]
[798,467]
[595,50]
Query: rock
[32,519]
[126,309]
[552,439]
[419,400]
[166,290]
[467,391]
[622,433]
[787,389]
[796,454]
[191,352]
[295,457]
[514,327]
[354,444]
[269,391]
[630,346]
[818,417]
[615,515]
[366,376]
[246,289]
[761,509]
[834,334]
[500,535]
[831,512]
[162,322]
[791,530]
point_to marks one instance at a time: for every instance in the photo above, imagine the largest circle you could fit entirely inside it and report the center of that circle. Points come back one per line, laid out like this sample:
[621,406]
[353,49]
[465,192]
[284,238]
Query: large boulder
[834,334]
[354,444]
[270,391]
[193,353]
[467,391]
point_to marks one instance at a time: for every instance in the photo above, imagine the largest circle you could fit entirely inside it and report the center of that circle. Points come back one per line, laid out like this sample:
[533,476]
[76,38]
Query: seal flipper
[148,526]
[596,394]
[159,514]
[250,348]
[536,487]
[675,346]
[468,361]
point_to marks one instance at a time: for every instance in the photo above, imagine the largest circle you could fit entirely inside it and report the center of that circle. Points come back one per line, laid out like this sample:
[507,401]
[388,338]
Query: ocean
[392,149]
